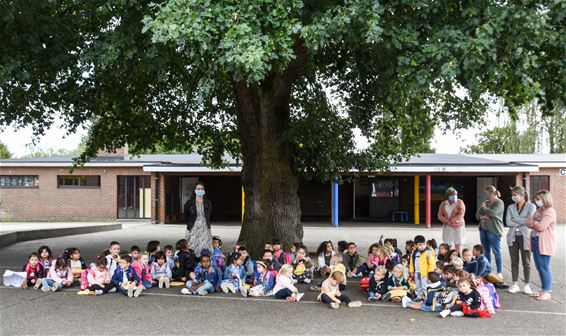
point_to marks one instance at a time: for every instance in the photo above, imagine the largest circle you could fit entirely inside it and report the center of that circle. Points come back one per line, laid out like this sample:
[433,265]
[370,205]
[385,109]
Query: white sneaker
[203,293]
[299,296]
[167,282]
[224,287]
[334,305]
[445,313]
[131,290]
[113,290]
[98,292]
[45,289]
[405,301]
[514,288]
[53,288]
[244,291]
[457,314]
[138,291]
[307,281]
[527,289]
[185,291]
[160,282]
[232,288]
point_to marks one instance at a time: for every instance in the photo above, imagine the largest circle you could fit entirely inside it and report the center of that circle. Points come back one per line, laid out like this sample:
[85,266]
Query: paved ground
[165,311]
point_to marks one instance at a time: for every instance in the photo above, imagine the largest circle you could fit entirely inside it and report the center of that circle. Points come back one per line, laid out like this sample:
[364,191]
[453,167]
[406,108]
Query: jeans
[206,286]
[419,289]
[491,241]
[283,293]
[326,299]
[49,282]
[372,294]
[147,284]
[542,263]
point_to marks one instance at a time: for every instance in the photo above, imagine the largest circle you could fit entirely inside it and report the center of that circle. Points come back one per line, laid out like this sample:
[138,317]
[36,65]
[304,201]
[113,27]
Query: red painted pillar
[428,202]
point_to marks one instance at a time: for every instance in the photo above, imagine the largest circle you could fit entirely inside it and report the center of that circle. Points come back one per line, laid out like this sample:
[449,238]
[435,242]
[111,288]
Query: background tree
[4,152]
[281,84]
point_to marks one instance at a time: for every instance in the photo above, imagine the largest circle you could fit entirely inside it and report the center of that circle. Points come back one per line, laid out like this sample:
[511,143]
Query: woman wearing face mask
[451,213]
[518,237]
[543,241]
[198,210]
[490,216]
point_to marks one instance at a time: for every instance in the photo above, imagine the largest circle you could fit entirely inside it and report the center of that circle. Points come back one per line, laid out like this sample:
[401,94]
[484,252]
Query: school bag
[364,284]
[493,295]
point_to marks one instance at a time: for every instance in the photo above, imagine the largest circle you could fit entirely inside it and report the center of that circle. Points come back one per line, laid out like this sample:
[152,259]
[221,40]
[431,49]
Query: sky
[19,141]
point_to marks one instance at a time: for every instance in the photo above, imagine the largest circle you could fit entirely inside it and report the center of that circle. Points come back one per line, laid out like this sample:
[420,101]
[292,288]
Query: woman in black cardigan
[198,210]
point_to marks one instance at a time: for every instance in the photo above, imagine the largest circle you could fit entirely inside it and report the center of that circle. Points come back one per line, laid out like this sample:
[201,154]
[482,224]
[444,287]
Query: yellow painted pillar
[417,201]
[243,203]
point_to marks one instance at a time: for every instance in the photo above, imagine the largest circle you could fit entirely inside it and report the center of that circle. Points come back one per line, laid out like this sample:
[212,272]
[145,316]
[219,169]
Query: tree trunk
[272,206]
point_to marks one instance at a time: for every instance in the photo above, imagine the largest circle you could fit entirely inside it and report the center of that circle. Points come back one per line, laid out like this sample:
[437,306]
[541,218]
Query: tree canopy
[4,152]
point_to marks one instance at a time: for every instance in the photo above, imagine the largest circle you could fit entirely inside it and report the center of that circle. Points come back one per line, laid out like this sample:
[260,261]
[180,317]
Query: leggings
[283,293]
[327,300]
[104,289]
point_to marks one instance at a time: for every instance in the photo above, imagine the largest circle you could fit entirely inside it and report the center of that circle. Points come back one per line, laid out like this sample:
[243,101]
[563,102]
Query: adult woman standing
[519,236]
[490,216]
[543,240]
[451,213]
[198,210]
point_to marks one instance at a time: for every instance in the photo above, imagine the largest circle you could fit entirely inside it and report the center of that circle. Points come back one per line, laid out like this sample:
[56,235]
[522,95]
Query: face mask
[516,198]
[539,203]
[199,193]
[453,198]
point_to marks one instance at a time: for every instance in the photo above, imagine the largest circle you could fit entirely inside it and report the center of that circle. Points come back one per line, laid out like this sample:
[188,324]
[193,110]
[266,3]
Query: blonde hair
[449,192]
[337,257]
[286,269]
[457,262]
[382,269]
[546,198]
[520,190]
[399,268]
[493,190]
[386,251]
[338,276]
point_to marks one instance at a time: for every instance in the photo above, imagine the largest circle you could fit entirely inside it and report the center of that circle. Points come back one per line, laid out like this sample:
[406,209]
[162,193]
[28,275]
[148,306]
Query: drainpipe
[156,200]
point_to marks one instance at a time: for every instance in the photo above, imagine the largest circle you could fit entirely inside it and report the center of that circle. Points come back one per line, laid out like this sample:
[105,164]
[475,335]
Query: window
[19,181]
[79,181]
[539,182]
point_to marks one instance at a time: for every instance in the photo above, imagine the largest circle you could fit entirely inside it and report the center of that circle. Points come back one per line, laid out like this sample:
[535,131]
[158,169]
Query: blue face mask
[199,193]
[453,198]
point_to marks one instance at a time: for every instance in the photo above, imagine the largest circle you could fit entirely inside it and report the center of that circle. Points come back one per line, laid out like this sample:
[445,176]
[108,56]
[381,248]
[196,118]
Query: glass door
[134,197]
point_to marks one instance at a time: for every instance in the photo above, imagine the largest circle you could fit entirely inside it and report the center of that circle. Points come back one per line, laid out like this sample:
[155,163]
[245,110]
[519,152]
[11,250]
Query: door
[185,191]
[134,197]
[482,183]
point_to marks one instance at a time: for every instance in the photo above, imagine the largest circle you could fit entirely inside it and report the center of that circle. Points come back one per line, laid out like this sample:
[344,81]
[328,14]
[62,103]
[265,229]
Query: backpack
[447,297]
[493,295]
[84,278]
[364,284]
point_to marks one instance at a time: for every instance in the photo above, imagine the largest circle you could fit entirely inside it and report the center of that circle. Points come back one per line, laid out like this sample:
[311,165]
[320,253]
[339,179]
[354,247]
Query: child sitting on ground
[45,259]
[443,250]
[59,276]
[470,264]
[433,245]
[268,257]
[377,256]
[458,263]
[113,257]
[170,257]
[99,279]
[142,271]
[396,285]
[484,269]
[377,284]
[75,262]
[264,282]
[352,260]
[468,303]
[430,304]
[206,278]
[153,246]
[135,253]
[421,263]
[160,272]
[186,260]
[217,257]
[125,279]
[330,292]
[303,266]
[325,252]
[284,288]
[248,265]
[235,275]
[277,250]
[34,272]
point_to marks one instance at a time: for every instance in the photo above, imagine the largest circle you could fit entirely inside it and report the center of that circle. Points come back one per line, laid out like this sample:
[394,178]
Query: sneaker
[224,287]
[457,314]
[98,292]
[45,289]
[244,291]
[232,288]
[314,288]
[295,281]
[445,313]
[350,274]
[37,285]
[372,299]
[355,304]
[203,293]
[160,282]
[53,288]
[167,282]
[500,276]
[307,281]
[131,290]
[514,289]
[527,289]
[334,305]
[300,296]
[138,291]
[386,297]
[405,301]
[359,275]
[186,291]
[113,290]
[396,299]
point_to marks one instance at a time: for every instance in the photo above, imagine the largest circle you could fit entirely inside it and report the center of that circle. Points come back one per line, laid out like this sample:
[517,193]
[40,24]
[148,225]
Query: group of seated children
[427,277]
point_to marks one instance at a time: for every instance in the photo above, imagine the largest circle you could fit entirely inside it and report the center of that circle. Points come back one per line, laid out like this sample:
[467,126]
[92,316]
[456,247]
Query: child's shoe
[334,305]
[131,289]
[160,282]
[203,293]
[244,291]
[98,292]
[112,290]
[405,301]
[138,291]
[355,304]
[167,282]
[37,285]
[232,288]
[396,299]
[386,297]
[300,296]
[307,281]
[457,314]
[224,287]
[53,288]
[372,299]
[186,291]
[445,313]
[45,289]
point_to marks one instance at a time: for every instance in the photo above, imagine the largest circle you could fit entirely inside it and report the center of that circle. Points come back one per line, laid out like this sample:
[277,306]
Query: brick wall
[49,203]
[557,189]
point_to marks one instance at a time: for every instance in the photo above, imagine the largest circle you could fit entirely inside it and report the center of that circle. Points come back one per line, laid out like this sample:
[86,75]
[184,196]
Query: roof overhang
[68,164]
[464,169]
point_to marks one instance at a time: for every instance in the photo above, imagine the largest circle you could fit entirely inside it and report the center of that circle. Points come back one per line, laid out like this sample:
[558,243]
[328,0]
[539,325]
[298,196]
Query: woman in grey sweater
[518,237]
[490,216]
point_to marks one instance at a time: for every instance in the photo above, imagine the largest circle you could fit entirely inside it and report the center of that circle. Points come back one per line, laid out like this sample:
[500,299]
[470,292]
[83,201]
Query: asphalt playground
[167,312]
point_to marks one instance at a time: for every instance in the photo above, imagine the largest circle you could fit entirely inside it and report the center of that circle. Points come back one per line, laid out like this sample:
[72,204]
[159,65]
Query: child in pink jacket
[99,279]
[59,276]
[142,270]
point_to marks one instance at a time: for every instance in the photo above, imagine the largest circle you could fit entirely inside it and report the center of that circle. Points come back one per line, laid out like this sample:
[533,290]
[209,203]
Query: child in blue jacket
[125,278]
[235,275]
[263,282]
[205,279]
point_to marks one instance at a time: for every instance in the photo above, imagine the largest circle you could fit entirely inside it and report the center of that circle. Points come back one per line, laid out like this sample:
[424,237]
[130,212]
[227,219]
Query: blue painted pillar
[335,202]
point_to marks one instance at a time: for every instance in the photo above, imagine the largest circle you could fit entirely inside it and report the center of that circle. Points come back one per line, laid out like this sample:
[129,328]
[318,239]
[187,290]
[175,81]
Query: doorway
[134,197]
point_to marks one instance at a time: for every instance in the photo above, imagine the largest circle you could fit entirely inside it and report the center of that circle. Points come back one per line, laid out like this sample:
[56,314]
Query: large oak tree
[282,84]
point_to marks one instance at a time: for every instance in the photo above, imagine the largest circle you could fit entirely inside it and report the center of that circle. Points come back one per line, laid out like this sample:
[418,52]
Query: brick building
[154,187]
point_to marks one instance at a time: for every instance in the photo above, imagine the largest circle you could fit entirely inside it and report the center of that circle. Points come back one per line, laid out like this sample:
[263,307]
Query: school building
[155,187]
